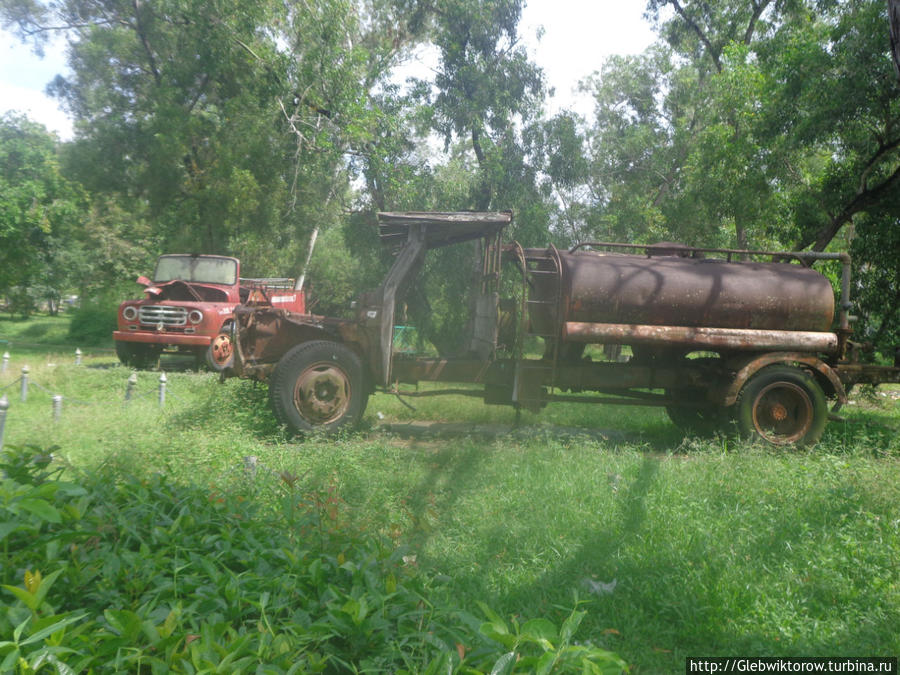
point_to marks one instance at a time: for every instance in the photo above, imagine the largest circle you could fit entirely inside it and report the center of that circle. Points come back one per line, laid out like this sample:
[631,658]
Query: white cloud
[578,36]
[23,78]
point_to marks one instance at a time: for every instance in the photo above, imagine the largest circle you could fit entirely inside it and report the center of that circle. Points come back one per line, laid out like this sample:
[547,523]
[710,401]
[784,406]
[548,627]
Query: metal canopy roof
[442,228]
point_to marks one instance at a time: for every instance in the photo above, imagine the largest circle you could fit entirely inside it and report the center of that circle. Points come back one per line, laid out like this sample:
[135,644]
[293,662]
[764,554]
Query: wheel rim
[322,394]
[782,413]
[221,350]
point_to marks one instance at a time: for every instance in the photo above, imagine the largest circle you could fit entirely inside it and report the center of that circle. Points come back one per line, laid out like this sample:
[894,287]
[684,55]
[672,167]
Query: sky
[578,36]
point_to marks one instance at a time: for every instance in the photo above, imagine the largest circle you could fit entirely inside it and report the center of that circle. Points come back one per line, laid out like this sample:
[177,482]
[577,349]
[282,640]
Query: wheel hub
[782,413]
[778,412]
[221,349]
[322,394]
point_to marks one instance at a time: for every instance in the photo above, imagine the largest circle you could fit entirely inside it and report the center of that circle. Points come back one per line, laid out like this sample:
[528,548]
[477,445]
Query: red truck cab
[189,307]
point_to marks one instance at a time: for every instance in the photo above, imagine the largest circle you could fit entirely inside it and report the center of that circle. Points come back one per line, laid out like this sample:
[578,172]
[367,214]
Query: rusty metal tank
[670,290]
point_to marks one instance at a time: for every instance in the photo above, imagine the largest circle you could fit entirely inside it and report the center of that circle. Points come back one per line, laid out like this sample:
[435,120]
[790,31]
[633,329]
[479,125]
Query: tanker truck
[751,341]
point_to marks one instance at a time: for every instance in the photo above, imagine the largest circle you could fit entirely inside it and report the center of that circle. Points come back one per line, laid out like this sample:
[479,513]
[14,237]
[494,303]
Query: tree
[484,84]
[40,211]
[836,108]
[776,121]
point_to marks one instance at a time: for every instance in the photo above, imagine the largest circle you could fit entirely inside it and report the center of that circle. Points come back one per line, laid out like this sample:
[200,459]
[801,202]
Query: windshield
[202,269]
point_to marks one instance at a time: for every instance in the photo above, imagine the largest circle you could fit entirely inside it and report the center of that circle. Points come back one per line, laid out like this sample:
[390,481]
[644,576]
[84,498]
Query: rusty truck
[188,307]
[720,338]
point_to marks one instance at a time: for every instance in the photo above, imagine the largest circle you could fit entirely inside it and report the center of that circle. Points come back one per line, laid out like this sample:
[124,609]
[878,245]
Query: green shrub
[93,322]
[120,573]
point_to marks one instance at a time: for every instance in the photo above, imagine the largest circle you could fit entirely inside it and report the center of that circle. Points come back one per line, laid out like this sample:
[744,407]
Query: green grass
[37,330]
[716,547]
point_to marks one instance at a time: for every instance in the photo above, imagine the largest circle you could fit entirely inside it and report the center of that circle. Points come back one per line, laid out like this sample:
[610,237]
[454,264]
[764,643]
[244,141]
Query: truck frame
[771,375]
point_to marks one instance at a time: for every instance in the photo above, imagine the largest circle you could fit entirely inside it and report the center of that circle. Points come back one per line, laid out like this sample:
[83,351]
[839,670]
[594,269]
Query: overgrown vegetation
[146,574]
[199,534]
[762,124]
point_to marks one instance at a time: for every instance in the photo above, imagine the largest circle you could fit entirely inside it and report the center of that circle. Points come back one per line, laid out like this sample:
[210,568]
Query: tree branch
[138,28]
[713,53]
[758,9]
[860,202]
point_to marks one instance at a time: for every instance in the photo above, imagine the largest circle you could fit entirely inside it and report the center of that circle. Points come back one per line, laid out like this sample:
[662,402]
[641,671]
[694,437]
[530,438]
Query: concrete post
[57,407]
[129,387]
[162,389]
[5,363]
[4,406]
[77,356]
[24,392]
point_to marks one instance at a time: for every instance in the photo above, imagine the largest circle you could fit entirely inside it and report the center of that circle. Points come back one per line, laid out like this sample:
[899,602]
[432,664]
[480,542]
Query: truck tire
[220,354]
[137,354]
[782,405]
[318,386]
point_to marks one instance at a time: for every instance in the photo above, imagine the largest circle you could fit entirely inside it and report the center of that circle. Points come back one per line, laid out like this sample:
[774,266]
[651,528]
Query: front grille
[162,314]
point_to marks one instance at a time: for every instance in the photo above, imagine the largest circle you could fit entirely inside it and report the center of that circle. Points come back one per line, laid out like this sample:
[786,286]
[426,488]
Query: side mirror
[144,281]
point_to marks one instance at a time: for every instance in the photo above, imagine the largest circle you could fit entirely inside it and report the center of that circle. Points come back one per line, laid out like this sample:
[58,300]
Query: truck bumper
[162,338]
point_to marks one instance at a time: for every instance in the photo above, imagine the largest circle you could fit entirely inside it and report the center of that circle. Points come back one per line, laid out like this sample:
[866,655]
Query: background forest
[253,128]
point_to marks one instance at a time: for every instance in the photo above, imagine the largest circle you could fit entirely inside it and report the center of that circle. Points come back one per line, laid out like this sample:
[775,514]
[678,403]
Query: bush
[94,322]
[121,573]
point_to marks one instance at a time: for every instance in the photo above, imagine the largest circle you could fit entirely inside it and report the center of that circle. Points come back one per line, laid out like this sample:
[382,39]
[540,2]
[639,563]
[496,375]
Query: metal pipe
[799,255]
[720,338]
[846,305]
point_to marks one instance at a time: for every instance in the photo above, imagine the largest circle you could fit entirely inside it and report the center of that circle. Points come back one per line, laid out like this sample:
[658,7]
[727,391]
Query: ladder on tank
[542,272]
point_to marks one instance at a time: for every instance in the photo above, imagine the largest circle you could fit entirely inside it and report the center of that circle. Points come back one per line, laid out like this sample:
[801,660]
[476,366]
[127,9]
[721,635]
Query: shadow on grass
[452,470]
[686,596]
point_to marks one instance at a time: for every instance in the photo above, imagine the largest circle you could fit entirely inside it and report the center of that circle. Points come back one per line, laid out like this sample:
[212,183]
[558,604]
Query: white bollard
[4,406]
[5,363]
[77,356]
[24,392]
[129,387]
[162,389]
[57,407]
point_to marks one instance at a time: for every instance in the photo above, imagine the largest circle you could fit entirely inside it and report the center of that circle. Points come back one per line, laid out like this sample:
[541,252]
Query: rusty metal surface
[441,228]
[746,370]
[863,373]
[712,338]
[676,291]
[265,334]
[412,370]
[583,376]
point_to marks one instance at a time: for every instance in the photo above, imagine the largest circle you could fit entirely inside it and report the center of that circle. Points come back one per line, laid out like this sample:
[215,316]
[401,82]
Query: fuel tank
[670,290]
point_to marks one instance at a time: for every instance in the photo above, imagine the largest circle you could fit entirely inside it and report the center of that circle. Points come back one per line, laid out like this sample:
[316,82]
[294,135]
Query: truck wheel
[220,354]
[318,386]
[782,405]
[137,355]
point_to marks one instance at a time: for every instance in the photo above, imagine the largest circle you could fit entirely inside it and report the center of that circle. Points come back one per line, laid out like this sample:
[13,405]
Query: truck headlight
[130,313]
[195,316]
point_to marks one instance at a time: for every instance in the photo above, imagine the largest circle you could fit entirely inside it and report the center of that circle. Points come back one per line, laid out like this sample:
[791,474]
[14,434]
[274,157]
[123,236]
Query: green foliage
[39,209]
[877,289]
[93,322]
[716,546]
[246,129]
[151,574]
[335,276]
[763,124]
